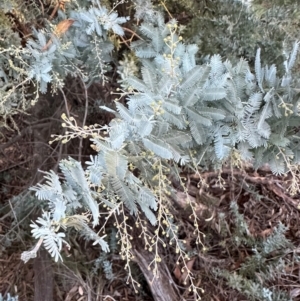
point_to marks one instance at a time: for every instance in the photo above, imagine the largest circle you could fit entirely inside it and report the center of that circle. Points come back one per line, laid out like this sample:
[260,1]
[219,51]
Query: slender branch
[84,118]
[66,102]
[23,132]
[133,33]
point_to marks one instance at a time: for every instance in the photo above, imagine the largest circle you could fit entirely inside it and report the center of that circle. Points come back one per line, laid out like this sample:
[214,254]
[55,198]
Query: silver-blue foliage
[176,111]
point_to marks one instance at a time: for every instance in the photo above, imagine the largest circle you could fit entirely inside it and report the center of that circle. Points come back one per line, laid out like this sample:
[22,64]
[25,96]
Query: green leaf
[198,132]
[213,113]
[211,94]
[277,166]
[177,138]
[124,112]
[172,107]
[124,193]
[116,164]
[193,76]
[137,84]
[149,78]
[158,147]
[197,118]
[259,72]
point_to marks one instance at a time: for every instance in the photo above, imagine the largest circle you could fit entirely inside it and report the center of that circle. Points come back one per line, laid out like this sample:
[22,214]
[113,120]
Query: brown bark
[162,287]
[43,270]
[43,277]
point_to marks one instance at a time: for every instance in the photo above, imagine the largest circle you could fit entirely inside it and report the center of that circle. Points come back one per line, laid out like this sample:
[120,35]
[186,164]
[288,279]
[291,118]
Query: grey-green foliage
[106,266]
[176,111]
[7,5]
[144,10]
[285,13]
[275,242]
[50,59]
[64,201]
[220,105]
[267,260]
[235,29]
[88,34]
[252,289]
[103,262]
[15,95]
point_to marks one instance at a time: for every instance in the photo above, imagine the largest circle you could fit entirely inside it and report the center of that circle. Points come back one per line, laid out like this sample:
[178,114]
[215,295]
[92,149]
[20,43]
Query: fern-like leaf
[116,164]
[258,70]
[293,56]
[158,147]
[124,193]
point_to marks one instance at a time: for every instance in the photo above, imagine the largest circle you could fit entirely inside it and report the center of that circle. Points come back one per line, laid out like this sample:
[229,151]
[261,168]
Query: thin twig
[133,33]
[16,219]
[84,118]
[54,11]
[14,165]
[23,133]
[66,102]
[165,7]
